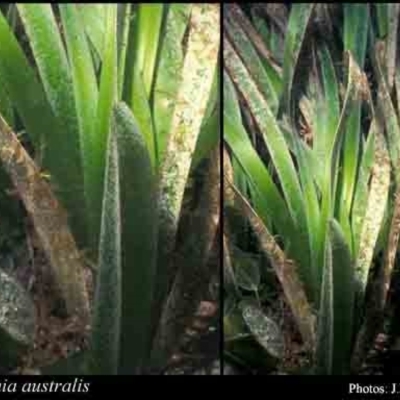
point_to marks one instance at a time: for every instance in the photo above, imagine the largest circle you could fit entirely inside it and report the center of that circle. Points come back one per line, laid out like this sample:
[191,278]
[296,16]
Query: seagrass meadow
[311,188]
[109,188]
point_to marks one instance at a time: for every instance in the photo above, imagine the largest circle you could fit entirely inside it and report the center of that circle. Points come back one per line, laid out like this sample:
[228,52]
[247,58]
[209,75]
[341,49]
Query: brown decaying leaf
[285,271]
[235,12]
[50,221]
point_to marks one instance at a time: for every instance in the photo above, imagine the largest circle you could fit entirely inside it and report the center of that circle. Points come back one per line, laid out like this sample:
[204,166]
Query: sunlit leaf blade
[148,23]
[84,84]
[257,174]
[93,17]
[361,190]
[6,106]
[83,73]
[51,59]
[168,73]
[239,176]
[107,97]
[352,99]
[387,112]
[311,200]
[264,41]
[279,154]
[271,132]
[249,167]
[356,17]
[141,110]
[198,73]
[330,177]
[313,108]
[214,97]
[124,15]
[331,105]
[375,208]
[250,58]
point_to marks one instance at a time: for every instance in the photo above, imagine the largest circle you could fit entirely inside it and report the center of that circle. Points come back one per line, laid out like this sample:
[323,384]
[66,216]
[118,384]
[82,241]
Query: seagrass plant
[312,164]
[120,104]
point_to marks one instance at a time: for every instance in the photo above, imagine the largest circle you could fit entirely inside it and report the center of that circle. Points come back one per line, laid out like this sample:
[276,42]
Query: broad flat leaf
[247,270]
[285,270]
[234,326]
[264,329]
[17,320]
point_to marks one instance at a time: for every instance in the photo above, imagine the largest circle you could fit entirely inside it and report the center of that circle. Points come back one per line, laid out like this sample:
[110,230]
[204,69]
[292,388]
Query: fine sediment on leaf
[198,73]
